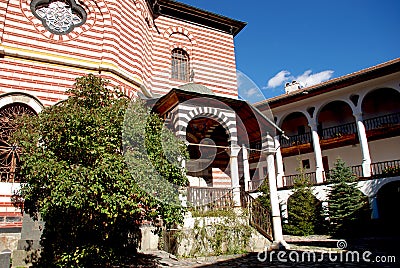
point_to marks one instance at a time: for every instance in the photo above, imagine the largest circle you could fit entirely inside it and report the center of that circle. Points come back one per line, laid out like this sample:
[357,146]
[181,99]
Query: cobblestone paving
[316,251]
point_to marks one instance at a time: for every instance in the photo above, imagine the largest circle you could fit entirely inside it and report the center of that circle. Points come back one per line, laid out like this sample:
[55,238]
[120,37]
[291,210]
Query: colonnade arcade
[355,120]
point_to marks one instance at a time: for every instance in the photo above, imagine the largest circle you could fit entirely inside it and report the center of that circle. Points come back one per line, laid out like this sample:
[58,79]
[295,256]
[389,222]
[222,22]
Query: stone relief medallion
[64,20]
[59,17]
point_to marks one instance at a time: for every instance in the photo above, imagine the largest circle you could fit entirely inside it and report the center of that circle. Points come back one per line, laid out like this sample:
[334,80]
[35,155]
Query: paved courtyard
[305,252]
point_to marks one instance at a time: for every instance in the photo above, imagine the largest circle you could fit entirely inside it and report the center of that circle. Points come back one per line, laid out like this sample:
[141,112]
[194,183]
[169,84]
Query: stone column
[234,152]
[268,148]
[362,137]
[319,167]
[246,168]
[279,163]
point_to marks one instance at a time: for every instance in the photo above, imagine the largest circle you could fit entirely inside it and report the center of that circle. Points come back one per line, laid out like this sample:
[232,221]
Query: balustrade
[382,121]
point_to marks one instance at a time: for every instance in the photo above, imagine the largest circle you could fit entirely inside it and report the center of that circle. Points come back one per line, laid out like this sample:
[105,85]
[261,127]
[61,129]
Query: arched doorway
[304,214]
[388,199]
[209,158]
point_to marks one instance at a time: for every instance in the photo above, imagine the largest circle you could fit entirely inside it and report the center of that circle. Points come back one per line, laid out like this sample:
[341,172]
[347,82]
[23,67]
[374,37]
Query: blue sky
[309,40]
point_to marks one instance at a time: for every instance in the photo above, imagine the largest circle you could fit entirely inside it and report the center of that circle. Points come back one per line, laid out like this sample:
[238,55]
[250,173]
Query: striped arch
[227,121]
[178,29]
[27,99]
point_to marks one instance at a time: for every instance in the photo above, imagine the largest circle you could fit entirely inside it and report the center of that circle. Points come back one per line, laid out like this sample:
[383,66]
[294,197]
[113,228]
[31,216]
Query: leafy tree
[304,210]
[78,175]
[347,205]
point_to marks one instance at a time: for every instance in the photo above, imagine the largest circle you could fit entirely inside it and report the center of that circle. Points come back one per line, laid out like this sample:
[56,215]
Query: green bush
[76,175]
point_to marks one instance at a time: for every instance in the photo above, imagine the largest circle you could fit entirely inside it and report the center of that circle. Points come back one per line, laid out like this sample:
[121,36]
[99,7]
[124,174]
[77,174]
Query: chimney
[293,86]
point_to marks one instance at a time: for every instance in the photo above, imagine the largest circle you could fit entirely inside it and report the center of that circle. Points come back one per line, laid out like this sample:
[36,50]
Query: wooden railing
[382,121]
[289,180]
[338,131]
[385,169]
[379,170]
[295,140]
[207,198]
[260,216]
[254,185]
[356,170]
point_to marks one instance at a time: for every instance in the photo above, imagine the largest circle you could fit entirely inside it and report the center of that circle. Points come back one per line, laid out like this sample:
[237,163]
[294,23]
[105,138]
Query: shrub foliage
[77,180]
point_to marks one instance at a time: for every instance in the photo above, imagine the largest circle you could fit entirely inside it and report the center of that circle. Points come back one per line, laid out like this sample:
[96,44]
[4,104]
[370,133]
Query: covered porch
[226,138]
[231,148]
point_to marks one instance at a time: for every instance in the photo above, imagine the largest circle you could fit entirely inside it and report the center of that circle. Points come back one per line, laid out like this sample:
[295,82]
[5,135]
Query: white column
[234,152]
[246,168]
[362,137]
[269,151]
[319,167]
[279,163]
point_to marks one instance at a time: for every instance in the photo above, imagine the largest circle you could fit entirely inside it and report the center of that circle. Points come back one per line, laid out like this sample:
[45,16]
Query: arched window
[180,65]
[10,152]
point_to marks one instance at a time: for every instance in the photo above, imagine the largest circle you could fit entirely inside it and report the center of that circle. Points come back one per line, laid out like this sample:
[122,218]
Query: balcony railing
[379,170]
[338,131]
[382,121]
[207,198]
[295,140]
[290,179]
[255,184]
[356,170]
[385,169]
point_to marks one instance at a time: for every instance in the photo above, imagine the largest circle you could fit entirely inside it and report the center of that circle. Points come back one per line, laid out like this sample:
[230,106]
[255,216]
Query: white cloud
[279,79]
[306,79]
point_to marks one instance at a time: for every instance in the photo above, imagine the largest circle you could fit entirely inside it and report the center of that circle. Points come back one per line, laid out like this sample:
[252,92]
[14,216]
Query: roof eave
[189,13]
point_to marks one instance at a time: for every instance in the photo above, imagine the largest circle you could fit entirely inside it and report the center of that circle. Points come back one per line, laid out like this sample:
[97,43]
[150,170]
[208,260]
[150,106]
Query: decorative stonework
[97,14]
[59,17]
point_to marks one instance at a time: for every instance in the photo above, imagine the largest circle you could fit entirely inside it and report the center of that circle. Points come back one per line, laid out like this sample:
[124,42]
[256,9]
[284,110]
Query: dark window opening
[306,163]
[180,65]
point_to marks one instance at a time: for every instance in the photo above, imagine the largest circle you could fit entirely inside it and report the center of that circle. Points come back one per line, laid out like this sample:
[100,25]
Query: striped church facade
[123,41]
[131,43]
